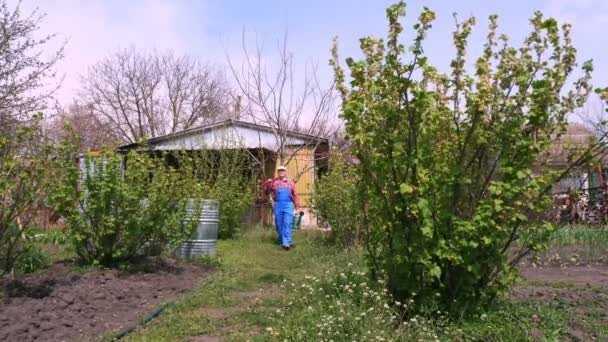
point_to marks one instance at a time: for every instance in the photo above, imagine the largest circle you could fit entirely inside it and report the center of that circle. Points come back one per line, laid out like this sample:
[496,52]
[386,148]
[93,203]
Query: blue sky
[211,29]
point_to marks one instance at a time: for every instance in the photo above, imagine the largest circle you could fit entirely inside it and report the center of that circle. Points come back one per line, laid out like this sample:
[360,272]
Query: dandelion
[269,329]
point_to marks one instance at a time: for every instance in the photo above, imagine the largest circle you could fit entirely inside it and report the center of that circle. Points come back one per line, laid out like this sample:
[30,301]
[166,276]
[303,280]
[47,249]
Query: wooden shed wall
[303,165]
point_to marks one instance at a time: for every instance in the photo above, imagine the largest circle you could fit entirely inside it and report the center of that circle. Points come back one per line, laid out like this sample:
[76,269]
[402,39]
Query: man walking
[285,199]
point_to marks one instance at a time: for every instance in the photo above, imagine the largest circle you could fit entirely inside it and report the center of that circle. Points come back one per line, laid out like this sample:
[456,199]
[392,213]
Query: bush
[114,215]
[27,174]
[447,158]
[236,196]
[227,175]
[32,259]
[338,203]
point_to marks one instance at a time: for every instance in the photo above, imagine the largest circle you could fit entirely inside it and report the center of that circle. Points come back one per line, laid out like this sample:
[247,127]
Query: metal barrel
[203,241]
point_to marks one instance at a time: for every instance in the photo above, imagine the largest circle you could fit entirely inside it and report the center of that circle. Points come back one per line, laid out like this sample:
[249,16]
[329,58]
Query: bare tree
[93,132]
[144,95]
[25,68]
[273,96]
[594,115]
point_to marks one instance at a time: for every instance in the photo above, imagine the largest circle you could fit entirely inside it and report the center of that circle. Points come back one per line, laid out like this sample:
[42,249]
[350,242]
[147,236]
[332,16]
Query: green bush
[236,199]
[27,176]
[32,259]
[338,203]
[447,158]
[227,175]
[115,216]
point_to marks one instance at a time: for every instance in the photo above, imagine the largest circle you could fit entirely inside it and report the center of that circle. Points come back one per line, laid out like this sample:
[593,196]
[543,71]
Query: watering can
[297,220]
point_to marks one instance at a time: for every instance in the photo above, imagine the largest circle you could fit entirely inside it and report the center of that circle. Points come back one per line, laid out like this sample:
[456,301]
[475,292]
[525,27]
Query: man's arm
[271,189]
[294,197]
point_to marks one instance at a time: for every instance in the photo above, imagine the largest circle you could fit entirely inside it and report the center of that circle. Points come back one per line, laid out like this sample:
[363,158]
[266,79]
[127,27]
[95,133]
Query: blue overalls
[283,212]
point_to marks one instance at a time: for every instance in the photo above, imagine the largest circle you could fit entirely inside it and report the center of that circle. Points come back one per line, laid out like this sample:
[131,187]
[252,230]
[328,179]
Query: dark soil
[575,282]
[591,275]
[63,304]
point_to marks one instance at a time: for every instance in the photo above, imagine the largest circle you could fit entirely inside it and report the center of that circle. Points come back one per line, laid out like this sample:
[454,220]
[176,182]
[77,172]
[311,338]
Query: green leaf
[406,189]
[427,231]
[435,271]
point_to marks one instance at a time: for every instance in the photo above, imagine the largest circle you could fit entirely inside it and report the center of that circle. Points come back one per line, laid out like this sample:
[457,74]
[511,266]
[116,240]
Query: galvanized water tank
[204,239]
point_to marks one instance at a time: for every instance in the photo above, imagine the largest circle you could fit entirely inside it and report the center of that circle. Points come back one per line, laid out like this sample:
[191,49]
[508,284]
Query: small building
[307,155]
[582,195]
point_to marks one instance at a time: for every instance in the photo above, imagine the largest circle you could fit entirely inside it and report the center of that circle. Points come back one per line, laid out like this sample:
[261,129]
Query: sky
[212,29]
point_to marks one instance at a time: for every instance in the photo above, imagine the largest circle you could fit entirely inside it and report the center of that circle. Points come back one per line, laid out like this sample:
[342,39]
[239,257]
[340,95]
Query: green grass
[580,235]
[553,284]
[249,295]
[232,305]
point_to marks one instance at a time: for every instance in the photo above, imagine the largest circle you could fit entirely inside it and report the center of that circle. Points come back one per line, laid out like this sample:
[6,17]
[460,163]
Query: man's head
[282,171]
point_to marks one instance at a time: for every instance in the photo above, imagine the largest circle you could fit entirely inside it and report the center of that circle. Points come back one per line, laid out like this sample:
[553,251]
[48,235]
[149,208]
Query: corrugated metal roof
[224,134]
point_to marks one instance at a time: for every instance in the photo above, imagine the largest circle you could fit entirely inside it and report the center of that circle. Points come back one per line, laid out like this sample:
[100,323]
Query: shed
[309,152]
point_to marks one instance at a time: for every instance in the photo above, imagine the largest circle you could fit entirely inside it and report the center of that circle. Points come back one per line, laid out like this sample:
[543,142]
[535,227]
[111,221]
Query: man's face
[282,173]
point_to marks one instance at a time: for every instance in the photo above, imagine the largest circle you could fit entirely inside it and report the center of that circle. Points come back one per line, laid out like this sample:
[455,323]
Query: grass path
[237,304]
[245,296]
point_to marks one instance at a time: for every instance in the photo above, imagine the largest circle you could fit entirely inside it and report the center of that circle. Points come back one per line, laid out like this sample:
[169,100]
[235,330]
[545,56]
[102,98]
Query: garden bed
[65,304]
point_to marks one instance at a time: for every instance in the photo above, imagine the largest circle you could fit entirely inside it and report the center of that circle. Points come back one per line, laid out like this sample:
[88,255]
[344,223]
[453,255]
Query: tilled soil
[580,284]
[61,304]
[591,275]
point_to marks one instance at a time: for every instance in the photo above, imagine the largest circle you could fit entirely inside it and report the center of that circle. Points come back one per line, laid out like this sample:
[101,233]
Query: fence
[587,206]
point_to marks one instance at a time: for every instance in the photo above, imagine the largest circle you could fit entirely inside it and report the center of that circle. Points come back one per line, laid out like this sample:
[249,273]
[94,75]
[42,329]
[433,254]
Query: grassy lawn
[246,292]
[246,297]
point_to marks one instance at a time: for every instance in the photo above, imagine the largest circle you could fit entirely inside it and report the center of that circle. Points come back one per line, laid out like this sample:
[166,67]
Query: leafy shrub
[337,202]
[448,158]
[236,196]
[32,259]
[27,174]
[227,175]
[26,159]
[115,214]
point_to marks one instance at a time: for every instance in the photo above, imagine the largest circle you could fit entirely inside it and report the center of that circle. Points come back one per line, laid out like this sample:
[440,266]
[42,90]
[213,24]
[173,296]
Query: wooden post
[263,217]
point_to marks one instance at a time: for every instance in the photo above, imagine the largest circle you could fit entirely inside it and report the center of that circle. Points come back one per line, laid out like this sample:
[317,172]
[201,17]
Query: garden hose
[126,331]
